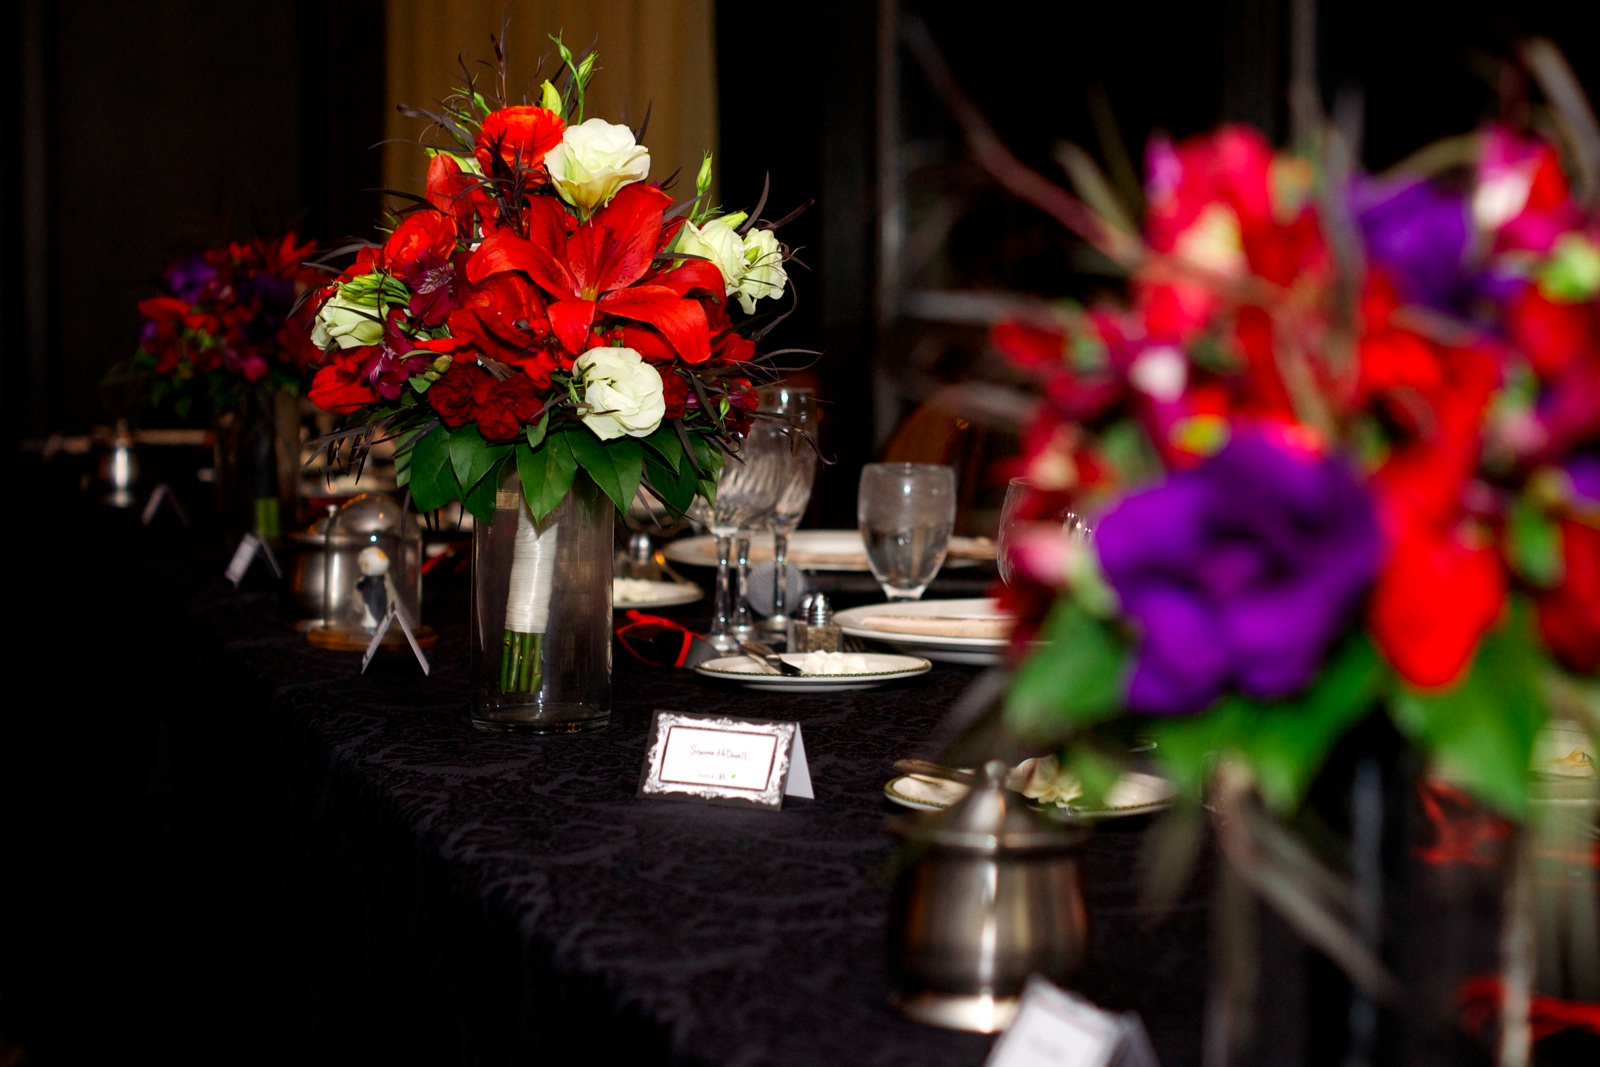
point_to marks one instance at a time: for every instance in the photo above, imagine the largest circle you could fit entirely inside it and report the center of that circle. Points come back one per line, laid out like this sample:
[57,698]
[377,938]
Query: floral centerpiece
[225,342]
[1339,446]
[227,324]
[547,314]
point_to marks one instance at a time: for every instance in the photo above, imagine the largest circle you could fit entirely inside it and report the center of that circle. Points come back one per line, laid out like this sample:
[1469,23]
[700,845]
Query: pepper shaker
[814,629]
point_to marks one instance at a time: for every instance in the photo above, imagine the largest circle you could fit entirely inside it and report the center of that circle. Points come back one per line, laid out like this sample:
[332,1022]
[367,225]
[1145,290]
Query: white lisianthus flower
[347,322]
[763,275]
[594,159]
[717,240]
[624,393]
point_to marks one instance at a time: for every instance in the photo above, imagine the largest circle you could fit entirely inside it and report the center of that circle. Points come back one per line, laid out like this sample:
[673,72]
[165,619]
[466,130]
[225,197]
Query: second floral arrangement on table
[1344,437]
[548,306]
[225,325]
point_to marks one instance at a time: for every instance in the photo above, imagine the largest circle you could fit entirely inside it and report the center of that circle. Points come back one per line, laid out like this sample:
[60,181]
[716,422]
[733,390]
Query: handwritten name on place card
[724,761]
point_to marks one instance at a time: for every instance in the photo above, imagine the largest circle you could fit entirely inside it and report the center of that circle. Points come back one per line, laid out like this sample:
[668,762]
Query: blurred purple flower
[1239,572]
[1417,232]
[188,278]
[1583,471]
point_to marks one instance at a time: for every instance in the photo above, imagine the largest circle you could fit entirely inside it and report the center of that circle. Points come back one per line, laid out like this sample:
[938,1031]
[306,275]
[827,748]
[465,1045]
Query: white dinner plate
[817,550]
[881,667]
[983,613]
[1134,794]
[642,594]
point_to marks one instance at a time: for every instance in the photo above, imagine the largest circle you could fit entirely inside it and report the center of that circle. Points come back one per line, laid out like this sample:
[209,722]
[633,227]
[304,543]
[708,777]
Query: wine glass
[796,414]
[747,487]
[1024,506]
[906,512]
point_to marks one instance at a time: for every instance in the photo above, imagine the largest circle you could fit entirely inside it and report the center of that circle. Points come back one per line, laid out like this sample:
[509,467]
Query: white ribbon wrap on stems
[533,564]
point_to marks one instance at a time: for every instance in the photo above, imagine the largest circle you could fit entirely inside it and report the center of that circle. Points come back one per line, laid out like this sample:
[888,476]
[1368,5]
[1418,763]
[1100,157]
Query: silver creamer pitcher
[989,893]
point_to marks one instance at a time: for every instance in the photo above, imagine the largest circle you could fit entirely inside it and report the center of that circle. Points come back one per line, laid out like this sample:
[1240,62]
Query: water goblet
[798,416]
[1026,506]
[906,513]
[747,487]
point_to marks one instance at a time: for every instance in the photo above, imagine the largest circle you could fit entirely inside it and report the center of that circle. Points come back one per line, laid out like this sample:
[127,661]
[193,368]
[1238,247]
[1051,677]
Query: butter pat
[833,663]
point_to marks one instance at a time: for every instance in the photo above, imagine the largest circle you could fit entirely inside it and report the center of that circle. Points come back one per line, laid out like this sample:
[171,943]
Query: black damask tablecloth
[278,858]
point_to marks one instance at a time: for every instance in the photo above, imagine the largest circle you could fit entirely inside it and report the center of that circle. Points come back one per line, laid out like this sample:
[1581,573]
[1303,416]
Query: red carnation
[504,407]
[452,395]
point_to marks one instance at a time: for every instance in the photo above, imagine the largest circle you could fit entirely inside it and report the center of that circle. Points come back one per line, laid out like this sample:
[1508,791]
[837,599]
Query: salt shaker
[814,628]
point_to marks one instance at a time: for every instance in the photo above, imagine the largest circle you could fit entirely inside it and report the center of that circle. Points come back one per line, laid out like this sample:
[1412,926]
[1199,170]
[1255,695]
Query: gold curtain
[655,54]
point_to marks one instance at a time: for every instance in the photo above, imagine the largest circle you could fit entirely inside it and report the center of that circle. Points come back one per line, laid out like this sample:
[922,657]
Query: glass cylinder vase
[541,612]
[256,463]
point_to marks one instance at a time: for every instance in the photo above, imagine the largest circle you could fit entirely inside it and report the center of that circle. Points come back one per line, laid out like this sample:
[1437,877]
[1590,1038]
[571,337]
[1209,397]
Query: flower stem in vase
[533,564]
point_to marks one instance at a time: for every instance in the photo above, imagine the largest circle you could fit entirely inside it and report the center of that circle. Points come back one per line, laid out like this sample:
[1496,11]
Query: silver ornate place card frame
[717,760]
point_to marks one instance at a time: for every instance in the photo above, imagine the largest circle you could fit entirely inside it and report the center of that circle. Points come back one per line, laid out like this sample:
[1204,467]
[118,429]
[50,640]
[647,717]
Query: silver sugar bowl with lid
[990,892]
[324,566]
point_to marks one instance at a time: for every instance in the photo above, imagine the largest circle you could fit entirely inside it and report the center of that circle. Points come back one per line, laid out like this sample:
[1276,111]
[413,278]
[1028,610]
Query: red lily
[598,268]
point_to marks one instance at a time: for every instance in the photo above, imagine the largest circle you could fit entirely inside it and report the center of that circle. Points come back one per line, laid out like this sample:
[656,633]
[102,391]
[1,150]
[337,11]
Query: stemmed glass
[906,512]
[747,488]
[1026,506]
[796,413]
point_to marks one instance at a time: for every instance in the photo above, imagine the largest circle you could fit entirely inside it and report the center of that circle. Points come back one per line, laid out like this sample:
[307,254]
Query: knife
[768,658]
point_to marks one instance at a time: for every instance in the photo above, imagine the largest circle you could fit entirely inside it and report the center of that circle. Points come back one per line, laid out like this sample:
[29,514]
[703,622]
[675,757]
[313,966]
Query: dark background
[138,133]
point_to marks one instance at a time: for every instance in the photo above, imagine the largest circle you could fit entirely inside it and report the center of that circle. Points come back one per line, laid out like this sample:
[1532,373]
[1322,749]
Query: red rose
[504,407]
[518,138]
[1549,333]
[503,318]
[452,396]
[418,233]
[1028,346]
[1434,600]
[339,385]
[1569,615]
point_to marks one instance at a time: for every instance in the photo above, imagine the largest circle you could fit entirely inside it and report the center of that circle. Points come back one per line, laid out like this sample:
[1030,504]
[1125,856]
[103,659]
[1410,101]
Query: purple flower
[1239,573]
[1583,470]
[1417,232]
[188,278]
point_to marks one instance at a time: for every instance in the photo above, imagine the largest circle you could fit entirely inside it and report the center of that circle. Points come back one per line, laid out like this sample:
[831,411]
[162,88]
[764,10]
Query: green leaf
[1285,742]
[1480,731]
[664,443]
[433,482]
[480,499]
[472,457]
[615,465]
[537,431]
[1127,449]
[546,473]
[676,487]
[1534,543]
[707,462]
[1073,679]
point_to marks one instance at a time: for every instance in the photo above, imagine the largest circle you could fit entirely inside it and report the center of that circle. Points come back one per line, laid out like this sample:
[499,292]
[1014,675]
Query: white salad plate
[817,550]
[881,668]
[639,593]
[963,631]
[1134,794]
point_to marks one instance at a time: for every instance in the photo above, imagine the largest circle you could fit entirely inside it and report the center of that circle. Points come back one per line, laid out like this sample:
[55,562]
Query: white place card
[1055,1028]
[724,761]
[162,494]
[250,546]
[393,615]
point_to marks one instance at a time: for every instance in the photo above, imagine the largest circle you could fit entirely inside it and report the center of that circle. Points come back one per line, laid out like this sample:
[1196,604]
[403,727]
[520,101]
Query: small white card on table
[1054,1028]
[250,546]
[724,761]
